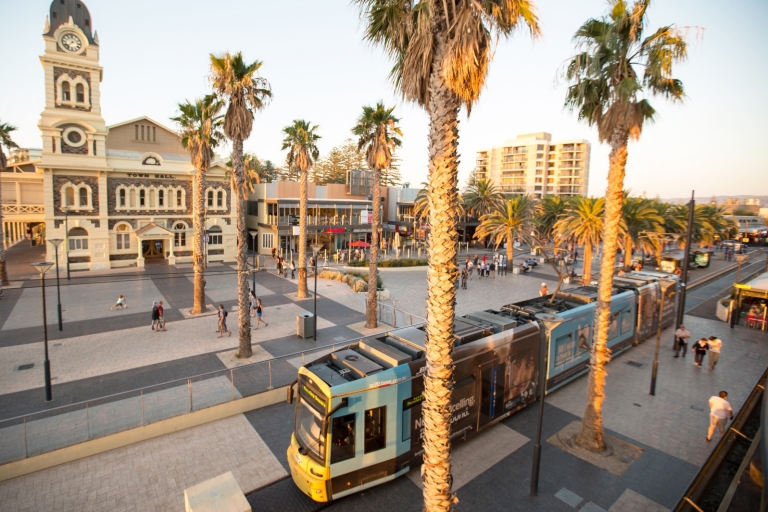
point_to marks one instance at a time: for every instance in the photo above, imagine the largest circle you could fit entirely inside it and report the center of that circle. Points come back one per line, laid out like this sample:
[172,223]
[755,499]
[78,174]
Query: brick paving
[151,475]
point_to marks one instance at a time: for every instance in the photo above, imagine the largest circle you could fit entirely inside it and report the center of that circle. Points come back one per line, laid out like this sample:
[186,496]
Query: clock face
[71,42]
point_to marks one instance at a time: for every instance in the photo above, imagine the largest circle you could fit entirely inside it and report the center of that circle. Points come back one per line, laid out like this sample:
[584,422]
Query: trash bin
[305,325]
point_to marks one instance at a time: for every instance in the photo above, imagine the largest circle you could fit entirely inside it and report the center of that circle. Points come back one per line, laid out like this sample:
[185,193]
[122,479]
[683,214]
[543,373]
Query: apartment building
[534,164]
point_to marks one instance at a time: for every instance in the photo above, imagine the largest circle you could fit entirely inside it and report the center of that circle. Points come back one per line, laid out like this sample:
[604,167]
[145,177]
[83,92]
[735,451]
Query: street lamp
[740,259]
[550,322]
[663,286]
[66,209]
[56,242]
[43,267]
[253,234]
[315,250]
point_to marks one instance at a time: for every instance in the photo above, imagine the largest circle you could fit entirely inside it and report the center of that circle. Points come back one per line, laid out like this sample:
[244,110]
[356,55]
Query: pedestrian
[259,314]
[464,278]
[719,409]
[279,264]
[715,344]
[155,315]
[543,291]
[293,267]
[492,269]
[223,321]
[485,258]
[470,268]
[160,317]
[120,304]
[681,340]
[699,351]
[477,259]
[252,301]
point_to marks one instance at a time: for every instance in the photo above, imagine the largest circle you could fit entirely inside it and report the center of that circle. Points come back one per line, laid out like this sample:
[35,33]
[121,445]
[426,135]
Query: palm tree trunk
[373,268]
[510,254]
[628,253]
[198,222]
[442,273]
[302,249]
[591,435]
[586,273]
[243,309]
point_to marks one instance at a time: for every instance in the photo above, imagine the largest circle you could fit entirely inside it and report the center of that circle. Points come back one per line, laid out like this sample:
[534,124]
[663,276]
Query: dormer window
[66,94]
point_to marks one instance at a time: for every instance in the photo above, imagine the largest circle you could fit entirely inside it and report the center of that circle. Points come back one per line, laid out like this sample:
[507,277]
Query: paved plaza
[103,352]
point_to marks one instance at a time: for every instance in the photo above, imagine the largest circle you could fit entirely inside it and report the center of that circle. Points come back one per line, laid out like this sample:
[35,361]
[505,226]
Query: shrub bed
[355,280]
[407,262]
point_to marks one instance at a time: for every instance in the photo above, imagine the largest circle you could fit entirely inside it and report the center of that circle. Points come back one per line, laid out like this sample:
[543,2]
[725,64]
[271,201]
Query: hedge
[407,262]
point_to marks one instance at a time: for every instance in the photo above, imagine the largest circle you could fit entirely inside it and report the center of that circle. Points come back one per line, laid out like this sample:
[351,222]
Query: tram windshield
[309,428]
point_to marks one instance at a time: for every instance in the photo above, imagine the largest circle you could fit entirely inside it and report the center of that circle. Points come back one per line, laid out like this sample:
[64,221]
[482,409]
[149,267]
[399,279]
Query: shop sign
[334,230]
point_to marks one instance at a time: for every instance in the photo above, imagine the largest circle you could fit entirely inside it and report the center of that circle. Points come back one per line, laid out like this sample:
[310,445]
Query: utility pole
[684,276]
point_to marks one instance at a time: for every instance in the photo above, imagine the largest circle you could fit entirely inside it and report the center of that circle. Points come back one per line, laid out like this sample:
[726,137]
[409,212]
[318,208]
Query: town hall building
[119,195]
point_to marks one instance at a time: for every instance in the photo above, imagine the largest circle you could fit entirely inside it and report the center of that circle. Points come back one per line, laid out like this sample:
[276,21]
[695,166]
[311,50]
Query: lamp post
[56,242]
[550,322]
[663,287]
[740,259]
[43,267]
[66,209]
[315,250]
[253,234]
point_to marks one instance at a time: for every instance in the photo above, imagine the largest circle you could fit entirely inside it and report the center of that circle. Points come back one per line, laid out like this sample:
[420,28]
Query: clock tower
[71,123]
[74,160]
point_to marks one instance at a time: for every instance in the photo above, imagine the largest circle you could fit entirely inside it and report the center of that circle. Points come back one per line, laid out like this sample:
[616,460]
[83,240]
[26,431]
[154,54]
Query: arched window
[160,198]
[122,197]
[123,236]
[66,93]
[69,196]
[142,198]
[78,239]
[214,235]
[80,92]
[180,236]
[83,192]
[178,198]
[133,199]
[210,199]
[220,199]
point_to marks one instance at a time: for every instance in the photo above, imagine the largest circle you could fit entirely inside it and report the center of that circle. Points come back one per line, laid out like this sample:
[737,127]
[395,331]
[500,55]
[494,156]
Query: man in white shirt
[719,409]
[681,340]
[715,344]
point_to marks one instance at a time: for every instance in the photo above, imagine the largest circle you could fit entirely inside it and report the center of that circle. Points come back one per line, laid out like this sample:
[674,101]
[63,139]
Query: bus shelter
[751,303]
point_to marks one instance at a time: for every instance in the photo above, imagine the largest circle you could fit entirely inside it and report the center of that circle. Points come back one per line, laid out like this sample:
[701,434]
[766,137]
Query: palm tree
[200,130]
[583,221]
[507,222]
[7,143]
[421,204]
[301,142]
[246,93]
[441,53]
[639,218]
[551,208]
[708,221]
[607,91]
[481,198]
[377,129]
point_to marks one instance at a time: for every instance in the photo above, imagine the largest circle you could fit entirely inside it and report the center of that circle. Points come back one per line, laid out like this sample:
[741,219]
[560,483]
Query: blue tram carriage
[358,419]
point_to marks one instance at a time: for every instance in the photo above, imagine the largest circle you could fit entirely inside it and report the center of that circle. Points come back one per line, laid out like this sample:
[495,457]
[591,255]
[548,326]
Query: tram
[358,421]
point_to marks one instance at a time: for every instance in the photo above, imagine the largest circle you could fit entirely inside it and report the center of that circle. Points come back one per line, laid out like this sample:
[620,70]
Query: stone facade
[57,72]
[60,180]
[113,183]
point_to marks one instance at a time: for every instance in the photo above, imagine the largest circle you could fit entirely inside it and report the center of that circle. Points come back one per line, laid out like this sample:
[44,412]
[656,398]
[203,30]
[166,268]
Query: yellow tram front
[307,454]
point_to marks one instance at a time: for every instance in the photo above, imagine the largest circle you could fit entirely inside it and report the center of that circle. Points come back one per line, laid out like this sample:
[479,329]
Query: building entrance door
[152,249]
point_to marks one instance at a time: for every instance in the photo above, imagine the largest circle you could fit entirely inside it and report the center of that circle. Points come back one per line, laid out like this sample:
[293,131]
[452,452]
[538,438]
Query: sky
[155,55]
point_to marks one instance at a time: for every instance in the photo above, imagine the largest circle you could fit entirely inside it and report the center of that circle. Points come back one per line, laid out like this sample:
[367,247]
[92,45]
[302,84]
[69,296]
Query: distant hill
[720,199]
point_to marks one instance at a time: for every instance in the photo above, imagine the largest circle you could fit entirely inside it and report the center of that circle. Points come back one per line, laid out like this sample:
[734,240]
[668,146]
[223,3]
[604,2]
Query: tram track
[282,494]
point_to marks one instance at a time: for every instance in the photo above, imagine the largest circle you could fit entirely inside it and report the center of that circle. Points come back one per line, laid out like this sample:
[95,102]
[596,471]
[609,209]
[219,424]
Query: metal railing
[40,432]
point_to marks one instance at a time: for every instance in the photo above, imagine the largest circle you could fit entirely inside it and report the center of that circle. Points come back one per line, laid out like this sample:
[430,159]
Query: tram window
[343,438]
[613,327]
[626,322]
[375,429]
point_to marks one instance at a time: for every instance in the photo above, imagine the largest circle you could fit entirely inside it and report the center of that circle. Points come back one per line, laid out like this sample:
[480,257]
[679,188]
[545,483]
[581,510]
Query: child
[121,303]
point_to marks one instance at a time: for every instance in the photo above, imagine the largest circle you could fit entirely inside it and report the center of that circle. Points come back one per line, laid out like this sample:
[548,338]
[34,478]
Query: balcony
[17,209]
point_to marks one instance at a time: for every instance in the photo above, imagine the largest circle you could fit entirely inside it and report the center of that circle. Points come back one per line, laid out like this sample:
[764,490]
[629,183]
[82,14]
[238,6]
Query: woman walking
[253,303]
[259,314]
